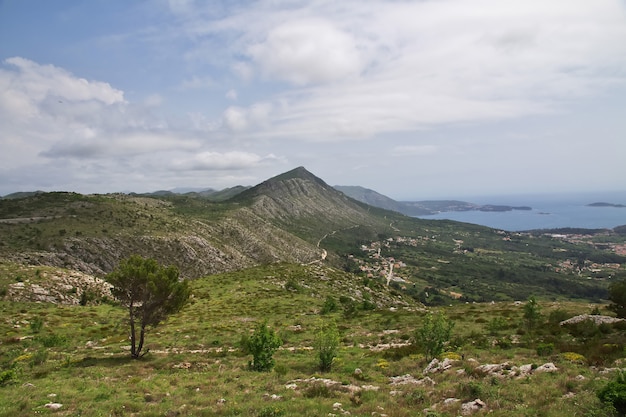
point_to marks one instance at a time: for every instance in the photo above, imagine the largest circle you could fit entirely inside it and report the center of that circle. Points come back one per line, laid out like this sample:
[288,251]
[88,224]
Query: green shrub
[292,285]
[414,398]
[326,345]
[349,307]
[434,334]
[614,393]
[39,357]
[472,390]
[496,324]
[281,369]
[317,391]
[584,330]
[36,324]
[545,349]
[557,316]
[7,376]
[330,305]
[262,345]
[52,340]
[504,343]
[272,411]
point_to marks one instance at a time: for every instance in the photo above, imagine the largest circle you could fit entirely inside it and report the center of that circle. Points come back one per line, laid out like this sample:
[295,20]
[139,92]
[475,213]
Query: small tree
[262,345]
[532,314]
[617,295]
[326,344]
[330,305]
[150,292]
[435,332]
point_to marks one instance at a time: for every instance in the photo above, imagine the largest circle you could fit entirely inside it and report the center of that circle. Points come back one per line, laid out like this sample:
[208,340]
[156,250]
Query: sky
[414,99]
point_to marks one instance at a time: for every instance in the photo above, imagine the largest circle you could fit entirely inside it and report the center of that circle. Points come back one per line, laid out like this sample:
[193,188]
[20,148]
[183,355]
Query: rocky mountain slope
[281,219]
[297,218]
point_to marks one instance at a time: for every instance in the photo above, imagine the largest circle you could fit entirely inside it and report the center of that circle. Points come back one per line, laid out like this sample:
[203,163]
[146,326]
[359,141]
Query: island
[601,204]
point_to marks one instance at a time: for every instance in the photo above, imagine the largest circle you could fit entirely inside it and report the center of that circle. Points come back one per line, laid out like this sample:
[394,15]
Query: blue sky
[414,99]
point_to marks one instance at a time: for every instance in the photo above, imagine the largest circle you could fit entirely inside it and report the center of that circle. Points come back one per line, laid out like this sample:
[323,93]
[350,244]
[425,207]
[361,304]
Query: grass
[78,356]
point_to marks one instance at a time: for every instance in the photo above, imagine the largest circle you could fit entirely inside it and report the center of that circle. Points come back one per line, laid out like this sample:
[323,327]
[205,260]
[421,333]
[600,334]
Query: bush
[584,330]
[271,412]
[471,390]
[496,324]
[614,393]
[36,324]
[52,340]
[617,295]
[7,376]
[545,349]
[39,358]
[415,398]
[349,307]
[434,334]
[330,305]
[262,345]
[317,390]
[292,285]
[326,344]
[574,357]
[504,342]
[557,316]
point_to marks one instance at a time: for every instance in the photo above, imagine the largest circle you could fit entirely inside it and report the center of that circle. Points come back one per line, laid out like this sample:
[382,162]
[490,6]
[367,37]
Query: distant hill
[296,217]
[602,204]
[376,199]
[224,194]
[21,194]
[418,208]
[209,193]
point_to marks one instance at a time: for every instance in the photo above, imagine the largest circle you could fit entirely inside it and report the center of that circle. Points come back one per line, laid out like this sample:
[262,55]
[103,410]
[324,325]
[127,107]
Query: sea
[548,212]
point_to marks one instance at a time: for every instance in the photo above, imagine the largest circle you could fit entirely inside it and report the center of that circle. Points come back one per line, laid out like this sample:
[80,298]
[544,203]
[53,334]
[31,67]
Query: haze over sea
[548,212]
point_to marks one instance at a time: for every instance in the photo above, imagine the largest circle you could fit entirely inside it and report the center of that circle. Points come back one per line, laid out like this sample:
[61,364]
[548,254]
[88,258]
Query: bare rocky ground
[59,286]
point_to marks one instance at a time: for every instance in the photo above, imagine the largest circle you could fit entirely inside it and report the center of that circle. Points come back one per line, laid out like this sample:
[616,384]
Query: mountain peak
[298,173]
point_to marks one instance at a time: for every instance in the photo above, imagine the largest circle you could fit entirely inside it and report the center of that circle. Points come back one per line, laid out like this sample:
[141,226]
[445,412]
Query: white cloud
[153,100]
[231,95]
[38,82]
[198,83]
[47,114]
[235,118]
[131,143]
[306,52]
[234,160]
[243,70]
[239,119]
[360,69]
[413,150]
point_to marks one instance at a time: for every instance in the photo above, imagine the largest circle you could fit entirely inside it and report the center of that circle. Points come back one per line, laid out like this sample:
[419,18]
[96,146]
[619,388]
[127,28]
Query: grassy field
[77,355]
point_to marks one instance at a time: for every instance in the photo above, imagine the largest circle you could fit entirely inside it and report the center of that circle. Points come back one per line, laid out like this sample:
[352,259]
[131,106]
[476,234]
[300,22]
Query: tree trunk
[141,336]
[133,338]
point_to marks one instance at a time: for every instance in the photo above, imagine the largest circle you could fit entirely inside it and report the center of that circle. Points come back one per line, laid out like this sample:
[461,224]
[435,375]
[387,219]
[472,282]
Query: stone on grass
[547,367]
[438,366]
[53,406]
[472,407]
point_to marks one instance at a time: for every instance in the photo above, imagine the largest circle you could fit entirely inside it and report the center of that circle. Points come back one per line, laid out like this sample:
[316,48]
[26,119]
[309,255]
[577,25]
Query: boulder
[472,407]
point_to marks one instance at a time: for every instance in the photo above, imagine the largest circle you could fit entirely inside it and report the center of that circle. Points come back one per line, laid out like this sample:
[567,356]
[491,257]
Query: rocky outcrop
[597,319]
[60,287]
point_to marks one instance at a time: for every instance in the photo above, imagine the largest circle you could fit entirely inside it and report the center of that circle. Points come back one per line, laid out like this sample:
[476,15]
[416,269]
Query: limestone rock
[547,367]
[472,407]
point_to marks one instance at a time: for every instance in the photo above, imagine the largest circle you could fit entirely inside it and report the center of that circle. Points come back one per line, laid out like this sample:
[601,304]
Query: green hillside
[75,357]
[300,255]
